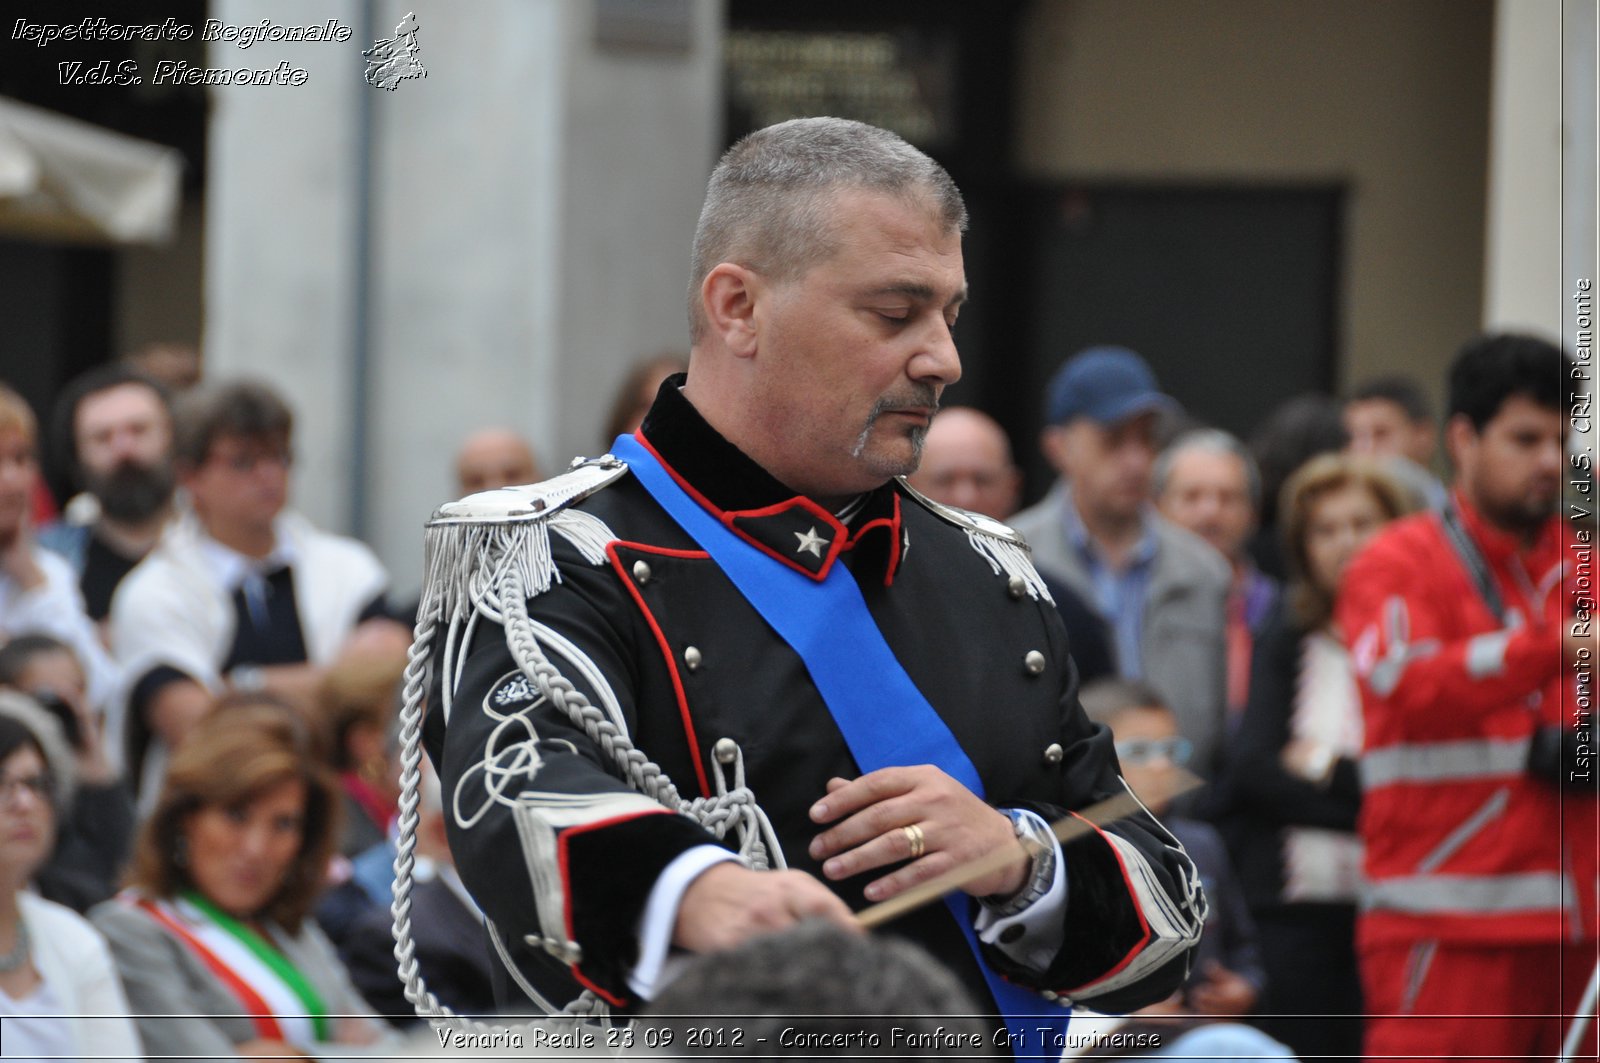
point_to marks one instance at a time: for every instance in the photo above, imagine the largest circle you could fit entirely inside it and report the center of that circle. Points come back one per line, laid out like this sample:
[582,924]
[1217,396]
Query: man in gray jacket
[1161,590]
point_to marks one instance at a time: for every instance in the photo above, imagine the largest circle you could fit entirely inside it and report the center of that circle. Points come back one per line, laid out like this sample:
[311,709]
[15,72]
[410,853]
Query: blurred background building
[1262,198]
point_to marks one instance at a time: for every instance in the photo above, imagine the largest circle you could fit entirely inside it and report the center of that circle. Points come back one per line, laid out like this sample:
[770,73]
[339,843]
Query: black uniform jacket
[689,663]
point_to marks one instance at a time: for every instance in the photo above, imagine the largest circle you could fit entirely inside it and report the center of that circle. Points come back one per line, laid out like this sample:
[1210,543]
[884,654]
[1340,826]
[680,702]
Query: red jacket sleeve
[1422,640]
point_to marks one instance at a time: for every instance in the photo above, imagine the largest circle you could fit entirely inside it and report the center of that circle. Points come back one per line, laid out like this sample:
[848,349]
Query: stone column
[532,203]
[1541,210]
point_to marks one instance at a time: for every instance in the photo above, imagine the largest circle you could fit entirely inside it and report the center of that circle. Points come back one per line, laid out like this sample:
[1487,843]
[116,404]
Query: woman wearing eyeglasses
[1294,792]
[59,993]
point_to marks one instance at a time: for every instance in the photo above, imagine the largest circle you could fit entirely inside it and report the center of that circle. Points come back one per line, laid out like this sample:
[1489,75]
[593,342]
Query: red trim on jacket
[661,642]
[891,526]
[566,891]
[836,541]
[840,541]
[1144,924]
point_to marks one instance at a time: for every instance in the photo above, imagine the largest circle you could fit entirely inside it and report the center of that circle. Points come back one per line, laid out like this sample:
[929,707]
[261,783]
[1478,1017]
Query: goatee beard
[923,395]
[133,493]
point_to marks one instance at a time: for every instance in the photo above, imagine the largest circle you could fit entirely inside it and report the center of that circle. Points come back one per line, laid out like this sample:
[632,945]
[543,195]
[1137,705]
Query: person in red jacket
[1469,630]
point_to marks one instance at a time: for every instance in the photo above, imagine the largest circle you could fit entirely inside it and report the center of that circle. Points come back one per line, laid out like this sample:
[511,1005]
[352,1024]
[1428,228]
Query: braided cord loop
[500,594]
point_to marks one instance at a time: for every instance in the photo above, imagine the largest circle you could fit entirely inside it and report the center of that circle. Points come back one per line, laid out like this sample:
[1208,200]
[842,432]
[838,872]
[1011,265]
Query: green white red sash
[280,1002]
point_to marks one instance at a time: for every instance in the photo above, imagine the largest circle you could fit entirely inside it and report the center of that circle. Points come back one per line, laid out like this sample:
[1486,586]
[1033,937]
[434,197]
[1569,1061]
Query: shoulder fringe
[470,543]
[472,548]
[1006,551]
[1010,558]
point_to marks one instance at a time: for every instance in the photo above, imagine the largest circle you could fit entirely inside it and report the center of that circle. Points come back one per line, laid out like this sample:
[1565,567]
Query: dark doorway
[56,303]
[1231,294]
[58,299]
[937,72]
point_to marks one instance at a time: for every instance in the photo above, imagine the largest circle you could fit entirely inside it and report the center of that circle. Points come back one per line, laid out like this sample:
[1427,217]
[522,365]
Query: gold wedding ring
[915,840]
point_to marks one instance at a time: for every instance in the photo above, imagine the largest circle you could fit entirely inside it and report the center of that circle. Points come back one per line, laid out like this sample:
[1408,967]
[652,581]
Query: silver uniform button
[726,751]
[1053,753]
[691,658]
[641,571]
[1033,662]
[1016,587]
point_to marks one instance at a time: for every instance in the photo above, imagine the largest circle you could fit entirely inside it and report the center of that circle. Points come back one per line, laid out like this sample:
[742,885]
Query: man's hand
[1309,759]
[1223,992]
[94,765]
[728,903]
[298,684]
[1172,1005]
[869,814]
[175,708]
[378,638]
[16,554]
[357,1030]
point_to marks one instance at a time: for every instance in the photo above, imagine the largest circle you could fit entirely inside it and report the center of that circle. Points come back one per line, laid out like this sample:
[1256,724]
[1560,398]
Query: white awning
[61,178]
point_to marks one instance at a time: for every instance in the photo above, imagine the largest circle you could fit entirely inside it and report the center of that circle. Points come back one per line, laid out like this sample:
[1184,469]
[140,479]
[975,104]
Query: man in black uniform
[666,615]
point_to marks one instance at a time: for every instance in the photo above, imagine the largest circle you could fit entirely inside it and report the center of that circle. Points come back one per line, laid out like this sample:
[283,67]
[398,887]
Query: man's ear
[1424,438]
[1459,438]
[1053,442]
[728,296]
[1013,488]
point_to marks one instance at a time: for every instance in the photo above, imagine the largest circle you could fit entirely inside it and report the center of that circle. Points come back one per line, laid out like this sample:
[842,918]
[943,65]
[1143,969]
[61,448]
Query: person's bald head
[966,462]
[495,457]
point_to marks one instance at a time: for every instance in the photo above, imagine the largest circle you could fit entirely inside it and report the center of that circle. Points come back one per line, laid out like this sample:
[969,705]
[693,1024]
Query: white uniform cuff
[1032,937]
[654,932]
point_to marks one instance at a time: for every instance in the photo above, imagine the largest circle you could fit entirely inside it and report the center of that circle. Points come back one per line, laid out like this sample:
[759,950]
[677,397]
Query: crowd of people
[1433,683]
[201,693]
[1372,673]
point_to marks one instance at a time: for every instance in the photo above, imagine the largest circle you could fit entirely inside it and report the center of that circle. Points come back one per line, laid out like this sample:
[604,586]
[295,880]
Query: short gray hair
[766,205]
[818,981]
[1210,441]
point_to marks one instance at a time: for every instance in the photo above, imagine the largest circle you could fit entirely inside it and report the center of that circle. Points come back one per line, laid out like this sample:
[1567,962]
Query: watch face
[247,678]
[1027,826]
[1040,843]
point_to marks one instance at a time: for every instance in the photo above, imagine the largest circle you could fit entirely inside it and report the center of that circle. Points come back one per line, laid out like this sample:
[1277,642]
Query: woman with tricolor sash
[212,937]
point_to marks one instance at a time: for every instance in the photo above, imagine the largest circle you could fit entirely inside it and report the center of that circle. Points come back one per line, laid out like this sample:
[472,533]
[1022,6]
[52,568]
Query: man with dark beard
[113,434]
[1472,635]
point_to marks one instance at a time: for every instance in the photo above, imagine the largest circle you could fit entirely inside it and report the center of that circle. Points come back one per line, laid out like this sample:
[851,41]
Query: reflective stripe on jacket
[1461,842]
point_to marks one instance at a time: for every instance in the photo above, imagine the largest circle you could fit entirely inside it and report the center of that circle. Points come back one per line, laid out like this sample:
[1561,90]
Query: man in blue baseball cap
[1161,589]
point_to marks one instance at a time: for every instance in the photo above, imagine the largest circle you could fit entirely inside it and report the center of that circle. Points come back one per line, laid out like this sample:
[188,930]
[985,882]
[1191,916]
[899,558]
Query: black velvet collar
[761,509]
[697,452]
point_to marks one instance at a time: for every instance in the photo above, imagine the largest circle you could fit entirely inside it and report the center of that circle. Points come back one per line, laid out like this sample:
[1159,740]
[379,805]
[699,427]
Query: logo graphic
[394,60]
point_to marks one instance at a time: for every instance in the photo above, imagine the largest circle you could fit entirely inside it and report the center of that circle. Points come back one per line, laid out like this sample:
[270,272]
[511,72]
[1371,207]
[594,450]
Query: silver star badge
[810,542]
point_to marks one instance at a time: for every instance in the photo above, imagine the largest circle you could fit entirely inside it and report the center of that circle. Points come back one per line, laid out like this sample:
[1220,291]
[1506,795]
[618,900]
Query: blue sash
[884,718]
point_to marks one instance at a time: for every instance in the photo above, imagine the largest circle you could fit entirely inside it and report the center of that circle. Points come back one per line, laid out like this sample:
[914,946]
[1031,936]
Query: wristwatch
[1037,839]
[247,679]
